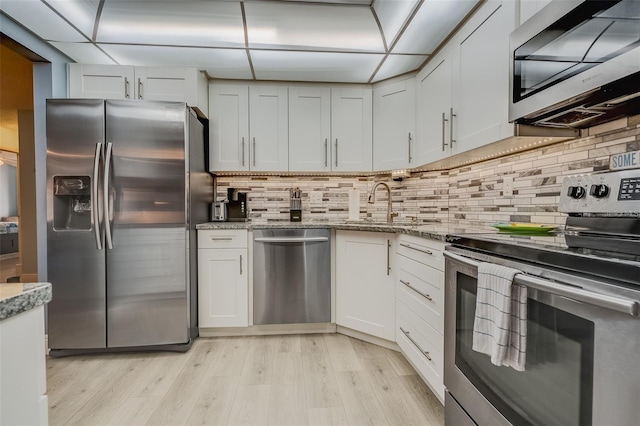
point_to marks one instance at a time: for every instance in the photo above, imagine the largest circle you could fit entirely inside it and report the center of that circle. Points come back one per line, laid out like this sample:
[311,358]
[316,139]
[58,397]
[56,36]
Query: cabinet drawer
[422,346]
[222,238]
[420,288]
[422,250]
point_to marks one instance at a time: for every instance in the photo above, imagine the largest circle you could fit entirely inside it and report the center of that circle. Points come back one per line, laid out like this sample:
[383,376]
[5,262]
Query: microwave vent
[571,118]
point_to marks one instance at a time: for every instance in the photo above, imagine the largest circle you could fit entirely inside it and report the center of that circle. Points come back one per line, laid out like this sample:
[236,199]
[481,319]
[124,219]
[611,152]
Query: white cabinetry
[148,83]
[394,113]
[434,109]
[351,129]
[420,307]
[309,129]
[268,128]
[481,77]
[365,291]
[223,284]
[463,91]
[248,129]
[23,388]
[229,127]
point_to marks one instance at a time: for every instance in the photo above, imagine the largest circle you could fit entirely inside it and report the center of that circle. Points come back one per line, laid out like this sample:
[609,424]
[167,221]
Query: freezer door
[76,266]
[146,268]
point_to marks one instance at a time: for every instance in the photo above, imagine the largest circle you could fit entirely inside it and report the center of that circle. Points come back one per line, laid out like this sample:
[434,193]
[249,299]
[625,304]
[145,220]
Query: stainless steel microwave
[576,63]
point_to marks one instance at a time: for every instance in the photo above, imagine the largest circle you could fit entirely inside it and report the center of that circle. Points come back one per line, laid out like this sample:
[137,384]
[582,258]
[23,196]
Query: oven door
[583,342]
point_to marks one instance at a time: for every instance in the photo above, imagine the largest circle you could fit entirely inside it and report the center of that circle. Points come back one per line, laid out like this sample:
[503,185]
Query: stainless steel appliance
[291,276]
[583,304]
[218,211]
[576,64]
[126,185]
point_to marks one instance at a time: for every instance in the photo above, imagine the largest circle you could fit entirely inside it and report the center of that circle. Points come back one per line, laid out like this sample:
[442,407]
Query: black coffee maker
[236,205]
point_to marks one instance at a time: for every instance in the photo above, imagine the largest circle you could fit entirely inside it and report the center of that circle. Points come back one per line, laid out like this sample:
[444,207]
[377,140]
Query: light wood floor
[319,379]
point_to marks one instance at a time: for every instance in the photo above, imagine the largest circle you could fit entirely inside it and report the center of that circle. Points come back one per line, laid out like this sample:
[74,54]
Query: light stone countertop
[16,298]
[435,231]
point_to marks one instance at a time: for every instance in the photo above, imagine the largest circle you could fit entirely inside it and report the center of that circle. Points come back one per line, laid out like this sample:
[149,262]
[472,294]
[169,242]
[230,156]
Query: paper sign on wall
[626,160]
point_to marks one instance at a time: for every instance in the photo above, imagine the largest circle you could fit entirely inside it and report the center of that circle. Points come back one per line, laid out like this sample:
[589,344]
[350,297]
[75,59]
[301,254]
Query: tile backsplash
[469,195]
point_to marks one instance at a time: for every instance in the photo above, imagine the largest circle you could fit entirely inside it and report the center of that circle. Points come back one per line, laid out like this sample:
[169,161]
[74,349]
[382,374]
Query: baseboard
[368,338]
[266,330]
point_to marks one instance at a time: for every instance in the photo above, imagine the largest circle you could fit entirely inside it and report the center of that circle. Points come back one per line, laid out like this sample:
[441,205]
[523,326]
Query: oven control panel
[602,193]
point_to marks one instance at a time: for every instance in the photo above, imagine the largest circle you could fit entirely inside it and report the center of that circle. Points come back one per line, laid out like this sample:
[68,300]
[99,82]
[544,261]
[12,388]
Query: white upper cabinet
[433,117]
[101,81]
[248,127]
[268,128]
[351,129]
[229,127]
[481,77]
[147,83]
[394,125]
[309,129]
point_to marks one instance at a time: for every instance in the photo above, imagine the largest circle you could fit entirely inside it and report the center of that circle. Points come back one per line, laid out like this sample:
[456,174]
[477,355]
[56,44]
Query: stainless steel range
[583,302]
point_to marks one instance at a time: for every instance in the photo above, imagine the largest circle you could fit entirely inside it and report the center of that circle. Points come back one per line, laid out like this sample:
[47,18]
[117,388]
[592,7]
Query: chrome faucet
[372,199]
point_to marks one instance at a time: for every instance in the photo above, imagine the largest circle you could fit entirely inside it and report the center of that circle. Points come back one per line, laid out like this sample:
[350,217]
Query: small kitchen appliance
[236,205]
[295,210]
[218,211]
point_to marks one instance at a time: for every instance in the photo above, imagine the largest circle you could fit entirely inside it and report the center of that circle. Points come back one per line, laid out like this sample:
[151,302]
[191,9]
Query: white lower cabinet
[23,388]
[422,346]
[365,294]
[223,284]
[420,307]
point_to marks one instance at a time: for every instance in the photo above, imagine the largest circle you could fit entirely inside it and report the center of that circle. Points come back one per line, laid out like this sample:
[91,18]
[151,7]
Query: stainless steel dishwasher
[291,276]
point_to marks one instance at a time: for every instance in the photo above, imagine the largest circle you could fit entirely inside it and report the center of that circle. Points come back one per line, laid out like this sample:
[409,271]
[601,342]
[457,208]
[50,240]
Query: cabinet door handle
[243,151]
[336,152]
[425,295]
[410,158]
[388,256]
[140,88]
[425,353]
[444,120]
[325,153]
[126,88]
[254,151]
[416,249]
[240,264]
[221,238]
[451,115]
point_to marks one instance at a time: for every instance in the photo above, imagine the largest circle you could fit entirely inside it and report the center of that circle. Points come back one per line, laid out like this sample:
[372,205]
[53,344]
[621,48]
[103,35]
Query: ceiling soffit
[358,41]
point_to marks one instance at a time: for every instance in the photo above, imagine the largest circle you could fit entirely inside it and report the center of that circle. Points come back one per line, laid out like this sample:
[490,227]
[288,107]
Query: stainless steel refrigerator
[126,185]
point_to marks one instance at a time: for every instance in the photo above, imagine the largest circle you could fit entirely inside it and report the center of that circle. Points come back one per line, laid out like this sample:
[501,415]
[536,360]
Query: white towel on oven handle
[500,323]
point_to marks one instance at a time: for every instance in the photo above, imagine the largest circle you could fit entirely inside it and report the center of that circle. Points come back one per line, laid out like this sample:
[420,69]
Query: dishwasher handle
[290,239]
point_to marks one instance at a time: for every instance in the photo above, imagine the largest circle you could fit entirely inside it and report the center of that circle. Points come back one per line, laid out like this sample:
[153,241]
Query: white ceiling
[357,41]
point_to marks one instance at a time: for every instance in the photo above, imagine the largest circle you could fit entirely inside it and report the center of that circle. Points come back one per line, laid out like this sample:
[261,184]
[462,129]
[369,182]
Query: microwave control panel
[609,193]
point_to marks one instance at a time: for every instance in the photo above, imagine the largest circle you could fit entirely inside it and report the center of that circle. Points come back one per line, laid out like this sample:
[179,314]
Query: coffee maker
[236,205]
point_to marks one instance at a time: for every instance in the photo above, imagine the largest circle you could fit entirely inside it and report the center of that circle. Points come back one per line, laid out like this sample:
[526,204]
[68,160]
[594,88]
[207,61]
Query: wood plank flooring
[318,379]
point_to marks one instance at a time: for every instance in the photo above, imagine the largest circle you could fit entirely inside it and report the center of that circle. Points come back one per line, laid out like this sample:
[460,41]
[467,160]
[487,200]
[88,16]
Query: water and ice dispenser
[71,203]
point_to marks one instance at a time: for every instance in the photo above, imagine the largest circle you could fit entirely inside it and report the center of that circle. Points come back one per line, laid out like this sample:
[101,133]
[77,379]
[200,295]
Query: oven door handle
[619,304]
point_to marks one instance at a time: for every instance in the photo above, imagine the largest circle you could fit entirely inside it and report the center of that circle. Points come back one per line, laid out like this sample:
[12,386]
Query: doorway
[18,253]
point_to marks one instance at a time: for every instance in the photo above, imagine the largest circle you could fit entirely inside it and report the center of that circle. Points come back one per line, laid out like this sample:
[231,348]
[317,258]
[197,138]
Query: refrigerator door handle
[105,193]
[94,196]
